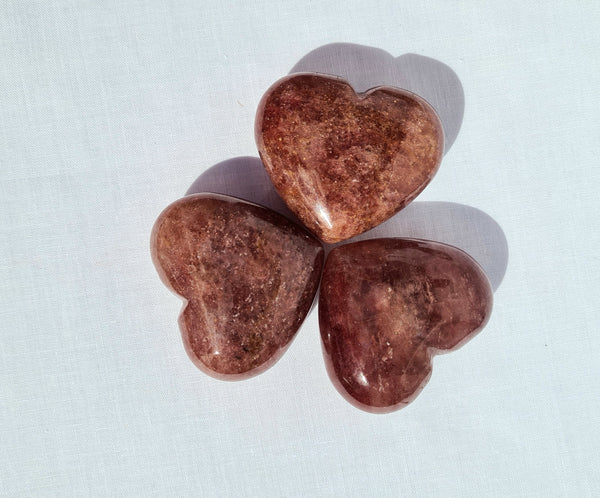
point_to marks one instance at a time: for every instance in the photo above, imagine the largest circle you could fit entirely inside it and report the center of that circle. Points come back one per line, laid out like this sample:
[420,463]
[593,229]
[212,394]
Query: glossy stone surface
[248,277]
[387,306]
[345,162]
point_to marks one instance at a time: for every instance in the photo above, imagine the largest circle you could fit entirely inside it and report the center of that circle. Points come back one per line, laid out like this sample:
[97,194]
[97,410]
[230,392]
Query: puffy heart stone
[345,162]
[247,275]
[387,306]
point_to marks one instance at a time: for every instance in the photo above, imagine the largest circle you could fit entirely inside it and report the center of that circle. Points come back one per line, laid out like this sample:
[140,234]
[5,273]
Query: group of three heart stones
[343,162]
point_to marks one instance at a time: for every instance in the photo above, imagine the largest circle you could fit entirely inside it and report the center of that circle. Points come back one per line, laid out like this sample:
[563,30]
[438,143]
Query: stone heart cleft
[345,162]
[387,306]
[248,277]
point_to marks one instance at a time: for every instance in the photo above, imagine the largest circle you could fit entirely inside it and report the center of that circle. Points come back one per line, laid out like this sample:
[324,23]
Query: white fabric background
[111,110]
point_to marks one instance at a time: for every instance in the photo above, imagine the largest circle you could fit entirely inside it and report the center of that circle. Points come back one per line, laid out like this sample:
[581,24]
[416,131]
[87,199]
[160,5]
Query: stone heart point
[247,275]
[345,162]
[387,306]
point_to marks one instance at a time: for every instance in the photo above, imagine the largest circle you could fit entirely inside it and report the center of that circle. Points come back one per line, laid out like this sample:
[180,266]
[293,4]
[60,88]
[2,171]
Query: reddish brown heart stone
[387,306]
[248,277]
[345,162]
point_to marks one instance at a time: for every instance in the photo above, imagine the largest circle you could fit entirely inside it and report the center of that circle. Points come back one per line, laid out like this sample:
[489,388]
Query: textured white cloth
[111,110]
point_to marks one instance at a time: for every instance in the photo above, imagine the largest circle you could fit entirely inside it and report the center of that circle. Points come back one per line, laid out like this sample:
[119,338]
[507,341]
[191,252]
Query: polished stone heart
[387,306]
[345,162]
[248,277]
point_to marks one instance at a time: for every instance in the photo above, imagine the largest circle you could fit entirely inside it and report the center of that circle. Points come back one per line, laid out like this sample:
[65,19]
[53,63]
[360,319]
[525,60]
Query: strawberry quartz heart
[247,275]
[387,306]
[345,162]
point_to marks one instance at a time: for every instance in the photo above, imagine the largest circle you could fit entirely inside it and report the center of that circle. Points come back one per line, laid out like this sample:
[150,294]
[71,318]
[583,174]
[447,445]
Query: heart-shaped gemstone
[248,277]
[345,162]
[387,306]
